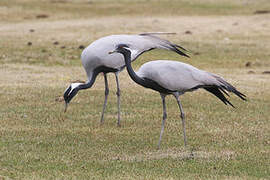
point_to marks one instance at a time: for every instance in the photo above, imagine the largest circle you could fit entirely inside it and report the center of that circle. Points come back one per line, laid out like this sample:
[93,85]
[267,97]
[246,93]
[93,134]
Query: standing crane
[176,78]
[95,60]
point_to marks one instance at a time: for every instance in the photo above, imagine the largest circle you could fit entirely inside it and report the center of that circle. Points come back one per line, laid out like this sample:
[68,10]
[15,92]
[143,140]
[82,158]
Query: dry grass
[39,141]
[29,10]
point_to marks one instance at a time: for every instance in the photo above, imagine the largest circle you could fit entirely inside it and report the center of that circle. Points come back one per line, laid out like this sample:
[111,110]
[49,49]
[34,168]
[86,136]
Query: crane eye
[122,46]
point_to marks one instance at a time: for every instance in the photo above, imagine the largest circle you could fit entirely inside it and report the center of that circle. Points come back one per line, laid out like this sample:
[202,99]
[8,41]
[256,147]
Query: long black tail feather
[178,49]
[216,91]
[228,87]
[224,92]
[174,47]
[181,47]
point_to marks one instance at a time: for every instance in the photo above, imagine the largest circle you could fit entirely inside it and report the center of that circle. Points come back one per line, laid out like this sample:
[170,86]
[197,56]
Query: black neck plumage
[132,74]
[96,71]
[145,82]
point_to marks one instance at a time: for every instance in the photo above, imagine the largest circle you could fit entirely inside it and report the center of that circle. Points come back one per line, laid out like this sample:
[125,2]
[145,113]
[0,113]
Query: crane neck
[132,74]
[90,82]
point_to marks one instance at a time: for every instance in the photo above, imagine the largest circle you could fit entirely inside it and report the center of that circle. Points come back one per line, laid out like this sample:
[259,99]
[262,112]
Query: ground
[40,57]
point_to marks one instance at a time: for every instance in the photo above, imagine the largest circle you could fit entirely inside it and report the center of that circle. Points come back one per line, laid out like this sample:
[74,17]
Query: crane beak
[111,52]
[66,105]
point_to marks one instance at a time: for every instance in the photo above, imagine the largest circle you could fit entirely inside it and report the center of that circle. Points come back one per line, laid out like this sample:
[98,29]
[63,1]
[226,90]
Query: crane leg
[164,118]
[106,97]
[118,93]
[182,115]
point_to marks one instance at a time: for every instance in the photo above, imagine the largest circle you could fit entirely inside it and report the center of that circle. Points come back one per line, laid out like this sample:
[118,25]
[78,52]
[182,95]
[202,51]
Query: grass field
[39,58]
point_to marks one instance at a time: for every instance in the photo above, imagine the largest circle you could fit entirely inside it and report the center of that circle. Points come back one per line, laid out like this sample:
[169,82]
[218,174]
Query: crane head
[70,92]
[121,48]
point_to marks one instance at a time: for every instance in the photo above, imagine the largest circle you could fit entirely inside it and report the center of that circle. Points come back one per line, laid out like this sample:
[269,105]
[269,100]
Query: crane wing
[177,76]
[147,41]
[96,54]
[172,75]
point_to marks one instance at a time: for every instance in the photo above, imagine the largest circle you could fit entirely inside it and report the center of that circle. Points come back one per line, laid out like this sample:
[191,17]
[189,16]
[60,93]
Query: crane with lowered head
[95,60]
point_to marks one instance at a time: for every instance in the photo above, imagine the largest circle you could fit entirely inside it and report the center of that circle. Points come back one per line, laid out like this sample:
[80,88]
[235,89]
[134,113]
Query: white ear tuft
[133,52]
[74,85]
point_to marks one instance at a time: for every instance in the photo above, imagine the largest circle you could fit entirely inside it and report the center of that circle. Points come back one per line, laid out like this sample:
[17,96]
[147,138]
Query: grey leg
[118,93]
[176,95]
[164,118]
[106,97]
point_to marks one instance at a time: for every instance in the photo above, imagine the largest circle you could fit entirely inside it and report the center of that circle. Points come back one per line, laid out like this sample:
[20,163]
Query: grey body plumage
[95,59]
[176,78]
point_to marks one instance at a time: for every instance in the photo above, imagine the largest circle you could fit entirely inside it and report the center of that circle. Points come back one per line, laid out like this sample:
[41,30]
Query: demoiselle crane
[176,78]
[95,59]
